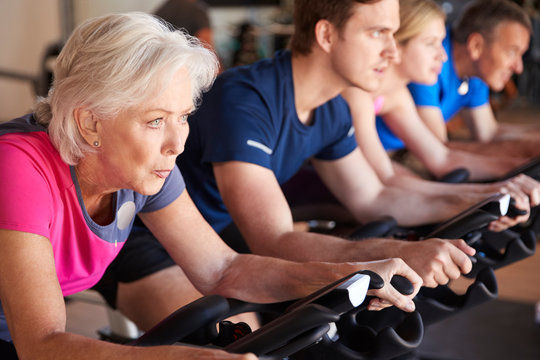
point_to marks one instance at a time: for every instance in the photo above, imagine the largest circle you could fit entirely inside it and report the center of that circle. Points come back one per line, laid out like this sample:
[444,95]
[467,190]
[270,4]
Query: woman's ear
[476,45]
[87,124]
[324,31]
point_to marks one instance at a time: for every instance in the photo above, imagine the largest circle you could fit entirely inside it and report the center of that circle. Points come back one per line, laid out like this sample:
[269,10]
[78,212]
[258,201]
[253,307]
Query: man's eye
[183,119]
[376,34]
[512,52]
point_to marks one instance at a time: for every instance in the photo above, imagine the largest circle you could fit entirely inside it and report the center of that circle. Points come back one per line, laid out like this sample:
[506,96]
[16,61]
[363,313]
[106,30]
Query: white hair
[113,63]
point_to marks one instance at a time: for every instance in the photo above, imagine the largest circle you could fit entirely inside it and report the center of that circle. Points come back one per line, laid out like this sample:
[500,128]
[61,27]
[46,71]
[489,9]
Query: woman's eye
[183,119]
[376,34]
[155,123]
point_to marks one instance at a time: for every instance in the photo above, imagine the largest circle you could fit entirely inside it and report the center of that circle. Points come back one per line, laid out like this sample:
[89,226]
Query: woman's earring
[96,143]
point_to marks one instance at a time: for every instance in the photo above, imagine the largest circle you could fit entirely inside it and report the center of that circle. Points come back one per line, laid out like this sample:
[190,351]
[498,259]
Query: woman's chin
[427,80]
[149,189]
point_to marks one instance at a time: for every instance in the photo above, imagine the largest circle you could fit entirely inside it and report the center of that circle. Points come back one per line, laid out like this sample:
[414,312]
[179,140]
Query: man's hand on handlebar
[525,192]
[437,261]
[388,295]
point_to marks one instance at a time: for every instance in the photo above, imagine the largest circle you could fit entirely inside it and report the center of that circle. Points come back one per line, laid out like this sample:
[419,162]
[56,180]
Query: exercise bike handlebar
[303,322]
[474,218]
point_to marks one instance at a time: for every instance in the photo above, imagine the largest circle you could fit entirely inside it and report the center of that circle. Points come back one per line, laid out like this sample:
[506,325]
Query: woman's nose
[176,139]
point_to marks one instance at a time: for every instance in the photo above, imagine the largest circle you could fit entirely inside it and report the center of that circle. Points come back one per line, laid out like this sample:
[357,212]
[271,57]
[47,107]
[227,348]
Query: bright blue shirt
[249,115]
[443,94]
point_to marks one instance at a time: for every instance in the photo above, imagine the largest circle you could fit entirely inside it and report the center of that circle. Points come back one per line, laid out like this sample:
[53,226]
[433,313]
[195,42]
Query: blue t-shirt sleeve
[478,93]
[172,188]
[237,126]
[425,95]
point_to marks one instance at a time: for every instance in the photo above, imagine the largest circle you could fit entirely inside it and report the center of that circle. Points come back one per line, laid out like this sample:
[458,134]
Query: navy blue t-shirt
[249,115]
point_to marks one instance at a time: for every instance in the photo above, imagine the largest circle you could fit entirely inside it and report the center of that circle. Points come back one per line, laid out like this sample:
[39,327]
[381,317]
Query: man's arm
[524,148]
[518,131]
[214,268]
[341,178]
[490,136]
[257,205]
[260,211]
[355,184]
[498,139]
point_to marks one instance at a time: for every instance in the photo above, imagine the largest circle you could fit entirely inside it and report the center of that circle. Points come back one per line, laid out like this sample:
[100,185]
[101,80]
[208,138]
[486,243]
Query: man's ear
[88,125]
[476,44]
[324,31]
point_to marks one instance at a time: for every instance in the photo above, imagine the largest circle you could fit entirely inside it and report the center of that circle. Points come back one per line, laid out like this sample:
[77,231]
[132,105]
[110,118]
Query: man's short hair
[308,12]
[483,16]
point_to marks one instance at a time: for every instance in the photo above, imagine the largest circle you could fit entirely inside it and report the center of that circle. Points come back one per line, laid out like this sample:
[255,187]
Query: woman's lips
[162,173]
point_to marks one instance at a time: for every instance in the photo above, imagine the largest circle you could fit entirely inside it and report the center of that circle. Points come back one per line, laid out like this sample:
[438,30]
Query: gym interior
[503,325]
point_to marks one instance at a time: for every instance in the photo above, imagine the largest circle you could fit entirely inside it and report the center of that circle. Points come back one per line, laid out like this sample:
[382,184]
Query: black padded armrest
[457,176]
[474,218]
[377,228]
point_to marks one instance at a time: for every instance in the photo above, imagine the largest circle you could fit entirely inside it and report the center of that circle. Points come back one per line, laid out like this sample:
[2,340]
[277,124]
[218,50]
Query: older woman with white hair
[100,149]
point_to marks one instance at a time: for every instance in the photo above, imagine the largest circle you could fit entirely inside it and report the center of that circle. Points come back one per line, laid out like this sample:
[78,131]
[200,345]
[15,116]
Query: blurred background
[31,33]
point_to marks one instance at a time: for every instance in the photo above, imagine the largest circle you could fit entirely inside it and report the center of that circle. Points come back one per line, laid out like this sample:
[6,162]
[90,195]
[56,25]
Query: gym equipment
[474,218]
[456,176]
[462,175]
[41,82]
[436,304]
[298,324]
[441,302]
[530,168]
[362,335]
[494,249]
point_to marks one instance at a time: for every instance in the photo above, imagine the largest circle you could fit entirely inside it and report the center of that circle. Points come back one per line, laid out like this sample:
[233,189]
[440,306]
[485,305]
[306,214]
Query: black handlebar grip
[513,211]
[402,284]
[375,280]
